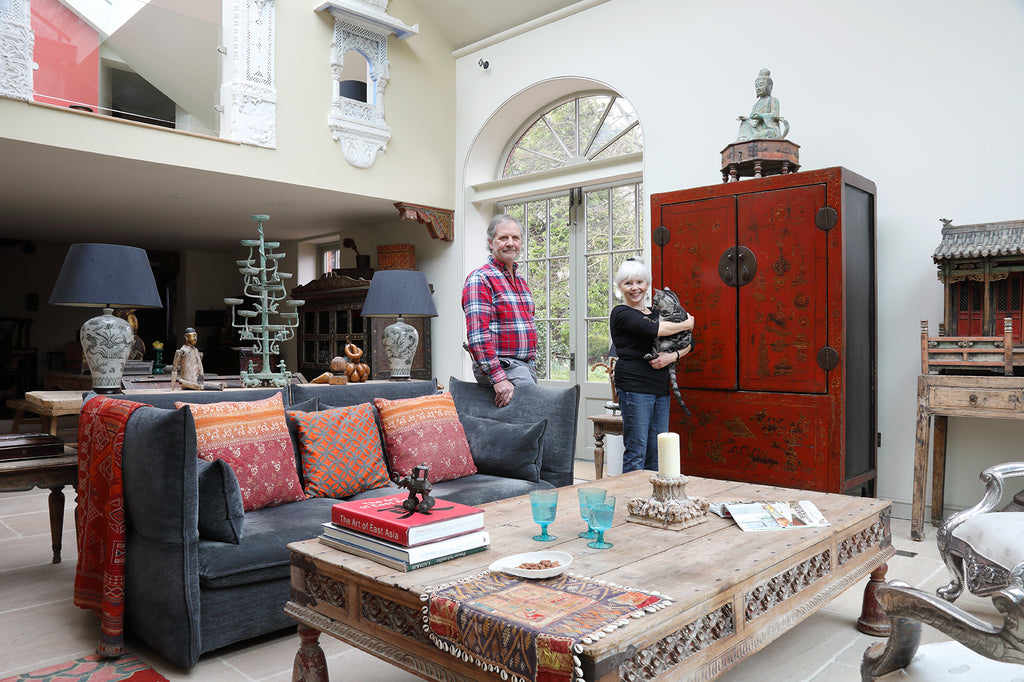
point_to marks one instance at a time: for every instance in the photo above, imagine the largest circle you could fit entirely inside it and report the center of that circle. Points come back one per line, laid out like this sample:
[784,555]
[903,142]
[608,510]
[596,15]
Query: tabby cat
[668,306]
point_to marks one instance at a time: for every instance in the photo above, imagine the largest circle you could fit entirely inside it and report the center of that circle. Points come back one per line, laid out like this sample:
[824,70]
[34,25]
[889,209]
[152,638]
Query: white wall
[918,96]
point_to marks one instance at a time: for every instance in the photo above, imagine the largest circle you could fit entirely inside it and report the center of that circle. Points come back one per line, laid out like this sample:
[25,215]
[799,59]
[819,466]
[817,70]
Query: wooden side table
[604,425]
[44,472]
[942,396]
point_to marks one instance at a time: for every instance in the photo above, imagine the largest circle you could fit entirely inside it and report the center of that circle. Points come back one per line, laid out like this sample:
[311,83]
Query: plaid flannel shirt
[499,317]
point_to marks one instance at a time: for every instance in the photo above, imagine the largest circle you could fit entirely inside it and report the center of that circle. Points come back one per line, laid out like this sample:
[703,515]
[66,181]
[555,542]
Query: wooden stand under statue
[779,273]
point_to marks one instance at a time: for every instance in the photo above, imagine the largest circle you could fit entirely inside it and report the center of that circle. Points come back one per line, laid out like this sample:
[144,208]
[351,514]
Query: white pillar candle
[668,455]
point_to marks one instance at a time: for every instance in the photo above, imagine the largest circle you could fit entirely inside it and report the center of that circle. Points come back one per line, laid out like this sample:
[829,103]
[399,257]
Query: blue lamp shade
[106,276]
[401,293]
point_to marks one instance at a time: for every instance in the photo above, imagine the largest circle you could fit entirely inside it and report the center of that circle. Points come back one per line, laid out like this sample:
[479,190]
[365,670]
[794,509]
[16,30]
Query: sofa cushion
[252,437]
[221,516]
[310,405]
[425,430]
[341,451]
[530,404]
[502,449]
[263,552]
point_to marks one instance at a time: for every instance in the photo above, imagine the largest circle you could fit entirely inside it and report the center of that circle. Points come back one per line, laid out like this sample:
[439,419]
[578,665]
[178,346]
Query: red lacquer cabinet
[780,275]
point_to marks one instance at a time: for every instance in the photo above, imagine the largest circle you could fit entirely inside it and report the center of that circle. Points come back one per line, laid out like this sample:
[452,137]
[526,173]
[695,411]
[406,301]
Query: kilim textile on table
[528,629]
[99,576]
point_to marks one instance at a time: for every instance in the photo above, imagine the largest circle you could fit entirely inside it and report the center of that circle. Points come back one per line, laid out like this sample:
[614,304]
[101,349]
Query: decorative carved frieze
[876,534]
[327,590]
[249,92]
[393,616]
[17,42]
[781,587]
[362,26]
[668,652]
[440,222]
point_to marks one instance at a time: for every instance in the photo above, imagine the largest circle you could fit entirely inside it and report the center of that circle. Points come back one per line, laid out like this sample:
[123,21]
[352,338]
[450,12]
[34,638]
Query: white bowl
[510,564]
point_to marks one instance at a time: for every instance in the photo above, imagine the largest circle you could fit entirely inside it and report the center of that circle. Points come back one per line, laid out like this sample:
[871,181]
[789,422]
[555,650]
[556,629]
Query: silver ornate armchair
[997,654]
[984,548]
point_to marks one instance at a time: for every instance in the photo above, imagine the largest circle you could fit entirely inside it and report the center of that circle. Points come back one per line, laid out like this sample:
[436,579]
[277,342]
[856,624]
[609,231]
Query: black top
[633,334]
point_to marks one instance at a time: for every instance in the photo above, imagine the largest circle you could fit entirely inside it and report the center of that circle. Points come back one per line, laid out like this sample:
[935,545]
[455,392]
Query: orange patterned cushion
[425,430]
[252,437]
[341,453]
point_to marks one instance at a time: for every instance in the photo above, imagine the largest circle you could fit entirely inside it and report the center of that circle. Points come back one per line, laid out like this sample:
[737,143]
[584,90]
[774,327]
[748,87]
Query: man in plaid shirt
[499,311]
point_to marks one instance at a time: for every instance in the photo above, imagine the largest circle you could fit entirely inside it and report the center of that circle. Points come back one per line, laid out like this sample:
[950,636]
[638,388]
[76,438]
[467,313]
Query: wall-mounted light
[484,64]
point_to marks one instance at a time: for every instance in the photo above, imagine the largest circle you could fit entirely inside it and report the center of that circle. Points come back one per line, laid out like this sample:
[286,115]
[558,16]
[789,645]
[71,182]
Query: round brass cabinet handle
[973,399]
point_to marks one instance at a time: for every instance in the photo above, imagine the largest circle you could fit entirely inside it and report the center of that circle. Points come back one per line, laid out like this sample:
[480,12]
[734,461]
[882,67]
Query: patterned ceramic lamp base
[106,344]
[400,341]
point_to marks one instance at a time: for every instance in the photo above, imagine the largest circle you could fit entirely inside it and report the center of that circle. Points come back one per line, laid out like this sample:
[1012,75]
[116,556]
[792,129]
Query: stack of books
[382,530]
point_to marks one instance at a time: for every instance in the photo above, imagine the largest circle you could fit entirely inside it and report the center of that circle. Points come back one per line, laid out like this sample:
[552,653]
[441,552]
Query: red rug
[94,668]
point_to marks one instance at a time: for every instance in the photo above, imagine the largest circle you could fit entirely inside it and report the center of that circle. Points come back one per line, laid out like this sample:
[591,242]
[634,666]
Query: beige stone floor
[39,625]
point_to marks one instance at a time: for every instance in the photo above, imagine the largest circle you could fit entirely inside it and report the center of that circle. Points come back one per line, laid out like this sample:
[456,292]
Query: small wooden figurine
[356,371]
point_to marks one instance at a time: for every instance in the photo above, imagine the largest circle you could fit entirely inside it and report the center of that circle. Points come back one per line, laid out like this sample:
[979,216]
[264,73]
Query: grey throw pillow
[221,516]
[503,449]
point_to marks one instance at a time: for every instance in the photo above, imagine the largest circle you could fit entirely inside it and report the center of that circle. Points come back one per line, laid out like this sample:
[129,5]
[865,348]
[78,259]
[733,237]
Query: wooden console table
[943,396]
[604,425]
[43,472]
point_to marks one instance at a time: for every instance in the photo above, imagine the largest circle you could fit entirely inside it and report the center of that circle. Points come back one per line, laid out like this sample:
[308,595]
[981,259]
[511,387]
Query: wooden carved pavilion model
[981,267]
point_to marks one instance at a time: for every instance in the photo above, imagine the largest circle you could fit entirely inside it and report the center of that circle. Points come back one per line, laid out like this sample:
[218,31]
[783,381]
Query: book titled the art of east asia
[386,518]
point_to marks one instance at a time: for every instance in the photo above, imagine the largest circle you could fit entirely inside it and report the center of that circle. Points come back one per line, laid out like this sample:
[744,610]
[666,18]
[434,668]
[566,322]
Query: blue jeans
[644,416]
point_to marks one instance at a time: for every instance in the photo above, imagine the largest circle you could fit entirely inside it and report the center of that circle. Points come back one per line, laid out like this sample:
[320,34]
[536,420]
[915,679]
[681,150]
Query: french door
[573,243]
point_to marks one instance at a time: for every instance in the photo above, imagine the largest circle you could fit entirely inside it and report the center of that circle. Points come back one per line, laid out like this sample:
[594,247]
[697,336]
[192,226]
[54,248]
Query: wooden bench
[47,406]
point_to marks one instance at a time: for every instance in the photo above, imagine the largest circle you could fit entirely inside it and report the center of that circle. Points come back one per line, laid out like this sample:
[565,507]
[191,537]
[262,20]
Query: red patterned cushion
[340,449]
[425,430]
[252,437]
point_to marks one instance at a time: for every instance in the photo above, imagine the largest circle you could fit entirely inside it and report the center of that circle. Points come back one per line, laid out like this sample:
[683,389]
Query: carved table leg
[873,620]
[310,662]
[56,504]
[599,450]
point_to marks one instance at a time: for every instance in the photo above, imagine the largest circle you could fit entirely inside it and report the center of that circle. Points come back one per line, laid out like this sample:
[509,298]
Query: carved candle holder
[669,507]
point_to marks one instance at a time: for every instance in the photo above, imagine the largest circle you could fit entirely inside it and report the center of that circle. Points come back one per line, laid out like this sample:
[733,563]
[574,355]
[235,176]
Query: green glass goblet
[544,504]
[586,495]
[601,515]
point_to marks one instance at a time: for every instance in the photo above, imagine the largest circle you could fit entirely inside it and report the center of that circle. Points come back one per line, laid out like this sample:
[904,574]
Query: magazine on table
[762,516]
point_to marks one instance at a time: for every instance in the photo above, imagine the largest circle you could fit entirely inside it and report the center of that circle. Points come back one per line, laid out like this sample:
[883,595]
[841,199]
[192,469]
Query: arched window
[575,239]
[582,129]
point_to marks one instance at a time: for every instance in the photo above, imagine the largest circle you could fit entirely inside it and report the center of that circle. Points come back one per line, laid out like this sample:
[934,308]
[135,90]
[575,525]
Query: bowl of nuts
[533,564]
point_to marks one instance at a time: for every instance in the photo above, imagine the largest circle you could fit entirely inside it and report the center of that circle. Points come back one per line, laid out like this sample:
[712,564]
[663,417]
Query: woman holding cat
[642,385]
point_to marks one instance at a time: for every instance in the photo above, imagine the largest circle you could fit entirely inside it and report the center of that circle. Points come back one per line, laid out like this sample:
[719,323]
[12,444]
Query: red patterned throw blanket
[99,577]
[530,629]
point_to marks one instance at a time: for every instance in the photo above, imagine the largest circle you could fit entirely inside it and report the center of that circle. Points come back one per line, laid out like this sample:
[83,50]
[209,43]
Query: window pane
[591,110]
[599,277]
[598,341]
[563,120]
[633,141]
[542,351]
[597,220]
[559,287]
[537,279]
[560,350]
[536,229]
[560,231]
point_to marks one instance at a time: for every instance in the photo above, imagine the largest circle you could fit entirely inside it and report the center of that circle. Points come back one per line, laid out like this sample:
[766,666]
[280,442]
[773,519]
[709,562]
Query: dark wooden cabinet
[780,275]
[331,318]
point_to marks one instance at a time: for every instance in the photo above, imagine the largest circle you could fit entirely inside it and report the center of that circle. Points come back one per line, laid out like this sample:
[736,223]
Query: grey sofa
[187,594]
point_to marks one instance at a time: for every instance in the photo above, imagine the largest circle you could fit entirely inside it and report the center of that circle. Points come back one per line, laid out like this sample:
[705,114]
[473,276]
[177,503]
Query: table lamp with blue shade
[106,276]
[401,293]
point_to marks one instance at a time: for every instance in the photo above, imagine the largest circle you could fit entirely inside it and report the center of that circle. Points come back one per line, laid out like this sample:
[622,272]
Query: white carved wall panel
[16,44]
[249,94]
[362,26]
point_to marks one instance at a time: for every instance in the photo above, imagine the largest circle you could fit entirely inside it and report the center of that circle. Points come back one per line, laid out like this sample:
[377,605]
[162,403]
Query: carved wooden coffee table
[733,592]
